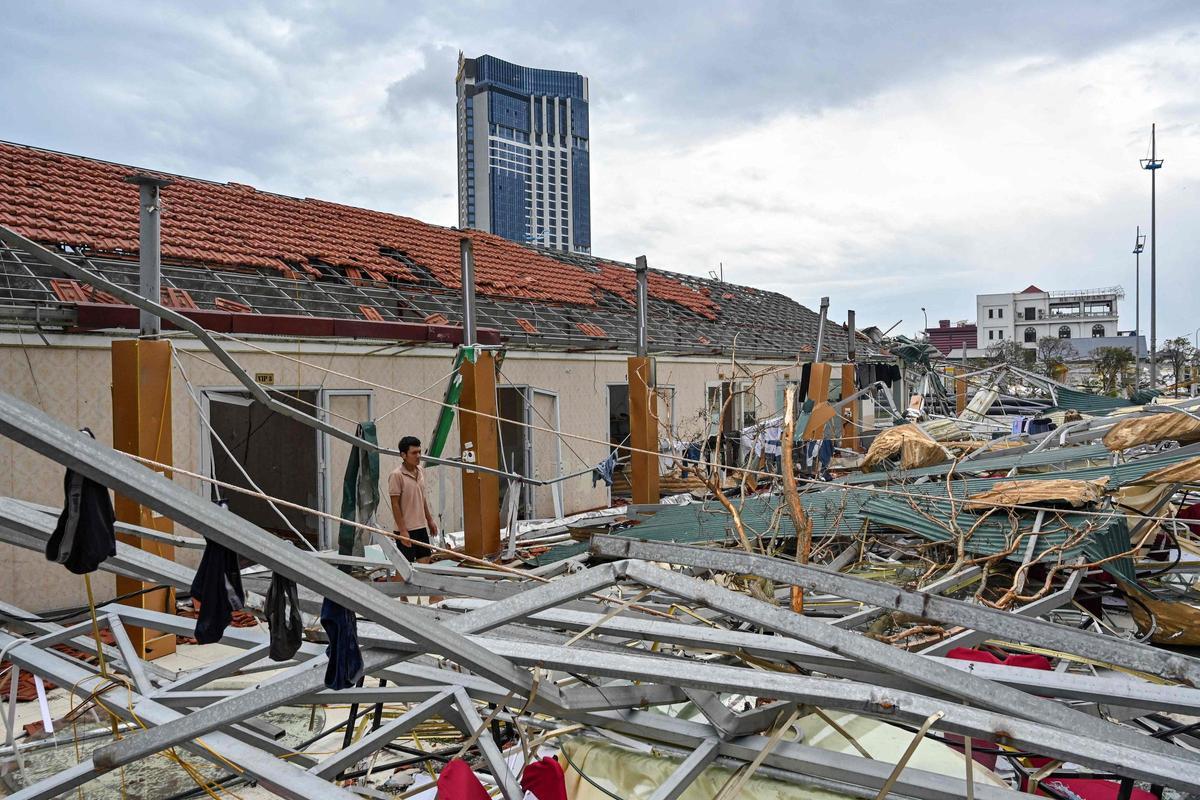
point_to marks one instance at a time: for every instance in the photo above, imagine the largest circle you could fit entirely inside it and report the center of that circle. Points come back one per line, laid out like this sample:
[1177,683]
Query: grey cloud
[429,89]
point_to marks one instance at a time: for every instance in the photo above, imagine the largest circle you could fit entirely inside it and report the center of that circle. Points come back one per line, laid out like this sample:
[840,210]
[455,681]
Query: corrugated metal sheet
[990,463]
[1087,403]
[840,509]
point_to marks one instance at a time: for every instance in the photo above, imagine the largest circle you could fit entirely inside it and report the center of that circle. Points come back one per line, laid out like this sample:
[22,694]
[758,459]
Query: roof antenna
[716,275]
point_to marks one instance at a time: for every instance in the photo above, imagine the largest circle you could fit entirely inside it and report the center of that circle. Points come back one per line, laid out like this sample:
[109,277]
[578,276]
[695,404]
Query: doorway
[530,446]
[618,419]
[731,407]
[279,454]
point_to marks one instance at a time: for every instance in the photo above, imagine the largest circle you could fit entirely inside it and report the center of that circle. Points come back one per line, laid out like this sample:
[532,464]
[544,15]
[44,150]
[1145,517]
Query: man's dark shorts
[414,551]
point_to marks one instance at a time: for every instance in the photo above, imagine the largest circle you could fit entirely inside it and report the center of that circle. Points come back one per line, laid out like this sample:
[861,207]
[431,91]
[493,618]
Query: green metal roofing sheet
[988,463]
[1088,403]
[841,509]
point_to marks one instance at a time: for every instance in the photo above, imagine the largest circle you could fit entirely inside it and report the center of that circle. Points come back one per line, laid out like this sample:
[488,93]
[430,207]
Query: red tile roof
[1030,289]
[62,199]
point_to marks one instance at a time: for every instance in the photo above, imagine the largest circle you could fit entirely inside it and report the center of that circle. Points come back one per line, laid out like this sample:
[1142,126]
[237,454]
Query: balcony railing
[1042,316]
[1113,291]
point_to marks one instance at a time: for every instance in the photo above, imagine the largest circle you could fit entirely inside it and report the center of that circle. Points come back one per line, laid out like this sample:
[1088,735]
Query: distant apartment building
[946,337]
[1033,314]
[523,168]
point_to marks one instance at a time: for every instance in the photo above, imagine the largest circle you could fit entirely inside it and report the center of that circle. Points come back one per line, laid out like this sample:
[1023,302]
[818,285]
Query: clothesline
[914,496]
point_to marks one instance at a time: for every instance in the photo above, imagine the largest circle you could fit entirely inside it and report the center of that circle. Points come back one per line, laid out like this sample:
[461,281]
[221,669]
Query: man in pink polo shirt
[410,502]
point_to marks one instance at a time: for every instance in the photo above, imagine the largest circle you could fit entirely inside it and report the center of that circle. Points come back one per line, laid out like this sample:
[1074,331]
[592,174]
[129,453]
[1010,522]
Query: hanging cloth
[283,618]
[360,492]
[84,536]
[217,587]
[345,667]
[605,469]
[805,377]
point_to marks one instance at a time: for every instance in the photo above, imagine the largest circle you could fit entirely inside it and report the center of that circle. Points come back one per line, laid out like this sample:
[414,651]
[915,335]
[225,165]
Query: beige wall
[74,385]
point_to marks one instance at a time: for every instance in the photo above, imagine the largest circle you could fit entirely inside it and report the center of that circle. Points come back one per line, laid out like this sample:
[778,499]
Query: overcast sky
[888,155]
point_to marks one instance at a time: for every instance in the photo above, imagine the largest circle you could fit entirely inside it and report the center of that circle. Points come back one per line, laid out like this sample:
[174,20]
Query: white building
[1033,314]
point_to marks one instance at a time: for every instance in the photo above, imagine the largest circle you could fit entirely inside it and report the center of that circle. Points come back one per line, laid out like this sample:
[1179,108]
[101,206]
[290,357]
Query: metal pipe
[149,248]
[1154,164]
[851,348]
[643,303]
[467,255]
[821,328]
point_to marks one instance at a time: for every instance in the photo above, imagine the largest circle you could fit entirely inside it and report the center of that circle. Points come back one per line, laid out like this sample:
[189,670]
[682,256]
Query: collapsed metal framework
[577,648]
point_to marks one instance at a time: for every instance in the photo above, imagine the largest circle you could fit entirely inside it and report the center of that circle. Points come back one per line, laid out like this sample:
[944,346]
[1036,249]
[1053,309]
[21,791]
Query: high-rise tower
[523,168]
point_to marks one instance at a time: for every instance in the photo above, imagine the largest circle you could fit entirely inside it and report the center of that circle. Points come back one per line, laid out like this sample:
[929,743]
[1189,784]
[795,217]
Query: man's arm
[430,522]
[398,516]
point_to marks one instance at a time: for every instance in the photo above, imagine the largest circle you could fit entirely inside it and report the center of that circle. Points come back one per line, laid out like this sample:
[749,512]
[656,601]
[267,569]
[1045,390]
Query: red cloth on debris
[458,782]
[1091,789]
[1191,512]
[544,779]
[1026,660]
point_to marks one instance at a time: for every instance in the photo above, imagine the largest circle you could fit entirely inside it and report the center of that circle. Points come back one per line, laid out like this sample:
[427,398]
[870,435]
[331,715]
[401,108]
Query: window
[1064,332]
[1030,335]
[1030,313]
[1097,331]
[991,315]
[1000,313]
[999,334]
[991,334]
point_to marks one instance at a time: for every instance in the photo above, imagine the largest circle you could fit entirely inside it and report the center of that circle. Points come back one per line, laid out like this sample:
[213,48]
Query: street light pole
[1195,353]
[1139,244]
[1154,164]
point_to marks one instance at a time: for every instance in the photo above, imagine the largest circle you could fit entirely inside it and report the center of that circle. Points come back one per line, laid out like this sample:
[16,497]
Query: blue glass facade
[531,126]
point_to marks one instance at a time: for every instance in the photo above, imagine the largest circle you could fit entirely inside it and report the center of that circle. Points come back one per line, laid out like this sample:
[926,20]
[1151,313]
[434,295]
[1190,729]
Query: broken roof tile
[591,329]
[63,199]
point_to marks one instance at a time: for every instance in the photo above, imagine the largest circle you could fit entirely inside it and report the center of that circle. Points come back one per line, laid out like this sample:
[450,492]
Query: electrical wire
[62,616]
[698,464]
[587,777]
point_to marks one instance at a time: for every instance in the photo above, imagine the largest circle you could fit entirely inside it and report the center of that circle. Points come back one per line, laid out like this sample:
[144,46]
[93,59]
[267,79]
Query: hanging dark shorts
[414,551]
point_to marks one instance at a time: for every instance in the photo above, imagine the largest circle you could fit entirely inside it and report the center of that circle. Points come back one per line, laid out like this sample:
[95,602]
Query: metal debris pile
[970,628]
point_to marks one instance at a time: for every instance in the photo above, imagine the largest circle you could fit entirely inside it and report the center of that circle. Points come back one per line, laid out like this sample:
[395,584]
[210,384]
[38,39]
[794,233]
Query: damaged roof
[85,206]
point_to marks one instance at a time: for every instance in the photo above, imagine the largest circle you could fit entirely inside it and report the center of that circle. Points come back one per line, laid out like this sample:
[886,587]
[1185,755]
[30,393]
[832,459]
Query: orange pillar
[818,382]
[852,414]
[960,391]
[818,391]
[643,430]
[141,386]
[479,440]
